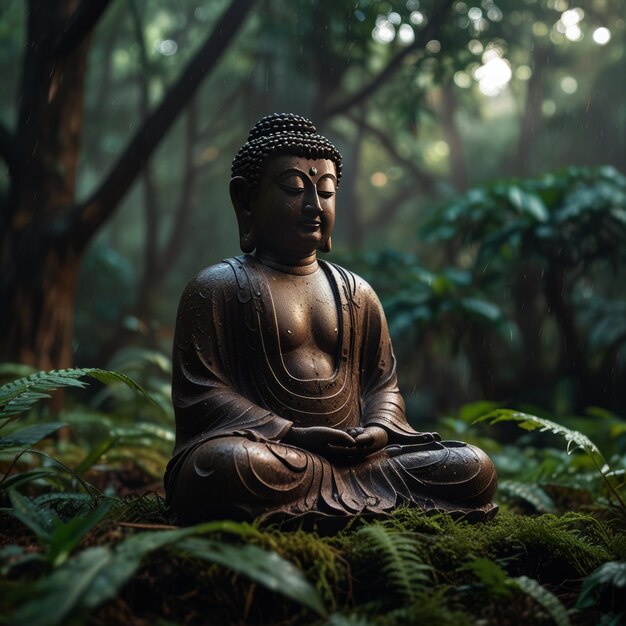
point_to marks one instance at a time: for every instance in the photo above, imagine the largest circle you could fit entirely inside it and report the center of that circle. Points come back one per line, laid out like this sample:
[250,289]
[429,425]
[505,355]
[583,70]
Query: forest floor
[133,567]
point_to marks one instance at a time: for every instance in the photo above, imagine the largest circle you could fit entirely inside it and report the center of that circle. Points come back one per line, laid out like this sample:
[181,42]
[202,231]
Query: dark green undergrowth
[85,539]
[409,568]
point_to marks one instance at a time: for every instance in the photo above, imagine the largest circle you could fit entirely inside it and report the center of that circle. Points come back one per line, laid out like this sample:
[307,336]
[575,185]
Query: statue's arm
[383,405]
[206,392]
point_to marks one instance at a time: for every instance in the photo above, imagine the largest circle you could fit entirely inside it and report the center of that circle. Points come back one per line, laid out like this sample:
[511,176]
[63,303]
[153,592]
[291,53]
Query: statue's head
[285,167]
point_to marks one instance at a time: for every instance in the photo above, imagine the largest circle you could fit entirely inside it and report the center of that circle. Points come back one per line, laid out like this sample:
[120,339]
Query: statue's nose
[312,205]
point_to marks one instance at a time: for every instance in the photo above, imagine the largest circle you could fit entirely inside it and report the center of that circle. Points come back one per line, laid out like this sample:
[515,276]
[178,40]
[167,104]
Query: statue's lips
[311,224]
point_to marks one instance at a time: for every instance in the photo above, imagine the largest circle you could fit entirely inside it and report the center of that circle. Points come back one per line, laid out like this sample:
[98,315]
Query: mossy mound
[408,568]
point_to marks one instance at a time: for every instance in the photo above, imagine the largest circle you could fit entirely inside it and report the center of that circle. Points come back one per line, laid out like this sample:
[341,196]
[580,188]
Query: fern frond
[533,494]
[399,557]
[575,439]
[20,395]
[552,605]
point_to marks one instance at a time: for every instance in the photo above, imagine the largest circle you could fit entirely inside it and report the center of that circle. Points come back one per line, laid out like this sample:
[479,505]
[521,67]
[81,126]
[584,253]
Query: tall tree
[43,229]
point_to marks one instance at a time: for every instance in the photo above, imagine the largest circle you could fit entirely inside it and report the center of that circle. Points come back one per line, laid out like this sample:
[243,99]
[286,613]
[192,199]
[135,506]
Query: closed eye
[326,194]
[291,190]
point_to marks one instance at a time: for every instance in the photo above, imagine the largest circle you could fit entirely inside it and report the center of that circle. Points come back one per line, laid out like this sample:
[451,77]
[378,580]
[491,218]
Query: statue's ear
[241,197]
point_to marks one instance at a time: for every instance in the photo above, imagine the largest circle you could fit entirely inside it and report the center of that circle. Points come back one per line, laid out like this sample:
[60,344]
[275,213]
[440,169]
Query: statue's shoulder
[225,275]
[356,287]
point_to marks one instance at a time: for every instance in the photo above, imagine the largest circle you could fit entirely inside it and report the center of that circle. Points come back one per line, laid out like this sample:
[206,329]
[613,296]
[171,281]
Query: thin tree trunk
[531,118]
[458,167]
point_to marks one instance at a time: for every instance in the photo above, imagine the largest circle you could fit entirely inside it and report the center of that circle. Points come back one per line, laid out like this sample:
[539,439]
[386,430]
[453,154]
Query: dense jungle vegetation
[484,198]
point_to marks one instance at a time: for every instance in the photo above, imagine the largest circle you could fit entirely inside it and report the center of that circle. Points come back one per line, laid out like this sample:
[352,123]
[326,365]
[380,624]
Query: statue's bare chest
[307,322]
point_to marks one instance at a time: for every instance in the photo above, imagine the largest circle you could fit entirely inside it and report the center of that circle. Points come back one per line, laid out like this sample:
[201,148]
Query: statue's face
[294,211]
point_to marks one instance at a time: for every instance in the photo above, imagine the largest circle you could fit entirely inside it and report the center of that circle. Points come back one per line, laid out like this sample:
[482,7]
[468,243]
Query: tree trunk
[531,119]
[44,232]
[39,267]
[458,168]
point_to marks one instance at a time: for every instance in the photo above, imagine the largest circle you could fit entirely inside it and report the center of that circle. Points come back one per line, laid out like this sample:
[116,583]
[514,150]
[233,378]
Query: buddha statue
[284,382]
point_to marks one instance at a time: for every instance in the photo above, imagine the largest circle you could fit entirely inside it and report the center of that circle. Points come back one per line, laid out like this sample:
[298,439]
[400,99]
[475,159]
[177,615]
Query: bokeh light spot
[569,84]
[462,79]
[494,75]
[548,108]
[384,32]
[168,47]
[406,34]
[475,46]
[379,179]
[416,18]
[602,36]
[433,46]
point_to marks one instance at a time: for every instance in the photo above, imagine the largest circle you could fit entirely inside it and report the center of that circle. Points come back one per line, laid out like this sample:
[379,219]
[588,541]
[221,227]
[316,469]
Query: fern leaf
[553,606]
[575,439]
[19,396]
[399,557]
[533,494]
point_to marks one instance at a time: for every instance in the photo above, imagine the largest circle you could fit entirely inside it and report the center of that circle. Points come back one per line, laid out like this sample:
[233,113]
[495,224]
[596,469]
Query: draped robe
[235,400]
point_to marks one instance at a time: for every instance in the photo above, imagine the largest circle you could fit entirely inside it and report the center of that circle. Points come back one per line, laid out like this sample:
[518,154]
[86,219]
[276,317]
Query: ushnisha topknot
[277,135]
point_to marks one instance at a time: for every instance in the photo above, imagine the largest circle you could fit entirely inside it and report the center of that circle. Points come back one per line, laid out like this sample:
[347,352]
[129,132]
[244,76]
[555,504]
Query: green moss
[407,568]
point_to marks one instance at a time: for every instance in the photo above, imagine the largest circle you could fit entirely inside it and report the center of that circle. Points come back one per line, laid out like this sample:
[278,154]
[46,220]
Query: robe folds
[235,400]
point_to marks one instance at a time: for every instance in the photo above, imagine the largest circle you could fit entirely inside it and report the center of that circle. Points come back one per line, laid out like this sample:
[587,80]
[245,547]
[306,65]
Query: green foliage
[553,606]
[262,566]
[603,588]
[575,441]
[569,218]
[401,566]
[57,537]
[80,584]
[93,555]
[532,494]
[19,396]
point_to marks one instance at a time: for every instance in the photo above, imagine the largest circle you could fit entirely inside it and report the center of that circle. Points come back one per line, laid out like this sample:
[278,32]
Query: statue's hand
[372,439]
[425,437]
[321,439]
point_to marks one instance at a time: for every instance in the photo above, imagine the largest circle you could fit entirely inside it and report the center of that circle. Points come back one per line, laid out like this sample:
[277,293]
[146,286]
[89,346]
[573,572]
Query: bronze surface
[284,385]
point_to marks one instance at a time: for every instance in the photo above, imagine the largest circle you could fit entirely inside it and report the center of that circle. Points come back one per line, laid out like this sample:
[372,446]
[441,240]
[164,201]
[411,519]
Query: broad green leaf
[30,435]
[491,575]
[481,308]
[528,203]
[13,370]
[13,556]
[54,597]
[264,567]
[472,410]
[39,519]
[611,574]
[95,453]
[66,536]
[11,482]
